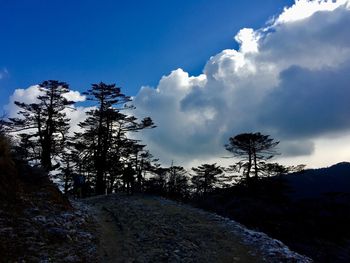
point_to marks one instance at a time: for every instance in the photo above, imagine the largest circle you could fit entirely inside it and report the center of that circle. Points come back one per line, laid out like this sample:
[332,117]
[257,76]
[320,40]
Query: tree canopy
[43,125]
[253,149]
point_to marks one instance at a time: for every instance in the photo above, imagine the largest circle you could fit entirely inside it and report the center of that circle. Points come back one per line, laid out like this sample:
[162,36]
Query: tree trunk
[249,165]
[100,182]
[139,176]
[46,155]
[255,166]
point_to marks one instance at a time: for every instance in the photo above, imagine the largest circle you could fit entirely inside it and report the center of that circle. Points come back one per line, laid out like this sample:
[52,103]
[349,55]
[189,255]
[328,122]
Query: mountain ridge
[315,183]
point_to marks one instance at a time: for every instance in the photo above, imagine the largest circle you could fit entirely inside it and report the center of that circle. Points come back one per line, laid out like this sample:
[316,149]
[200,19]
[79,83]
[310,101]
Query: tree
[158,183]
[105,129]
[66,172]
[148,164]
[206,177]
[276,169]
[45,122]
[177,184]
[134,151]
[254,149]
[28,149]
[3,126]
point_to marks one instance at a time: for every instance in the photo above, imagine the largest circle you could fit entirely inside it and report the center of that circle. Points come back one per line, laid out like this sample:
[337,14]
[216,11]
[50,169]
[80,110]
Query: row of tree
[102,150]
[98,151]
[176,182]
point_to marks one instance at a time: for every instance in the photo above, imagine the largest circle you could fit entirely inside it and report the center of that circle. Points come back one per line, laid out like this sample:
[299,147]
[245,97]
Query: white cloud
[248,40]
[305,8]
[76,115]
[28,95]
[74,96]
[289,79]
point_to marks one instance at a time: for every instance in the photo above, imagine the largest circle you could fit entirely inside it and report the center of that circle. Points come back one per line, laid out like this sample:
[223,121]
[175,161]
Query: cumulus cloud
[248,40]
[28,95]
[74,96]
[308,103]
[289,79]
[305,8]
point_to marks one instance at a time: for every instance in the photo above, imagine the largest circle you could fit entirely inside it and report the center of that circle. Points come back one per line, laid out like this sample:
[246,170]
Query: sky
[131,43]
[203,70]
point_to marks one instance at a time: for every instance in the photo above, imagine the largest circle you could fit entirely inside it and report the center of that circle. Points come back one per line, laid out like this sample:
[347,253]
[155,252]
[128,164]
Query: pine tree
[254,149]
[177,185]
[206,177]
[44,123]
[105,129]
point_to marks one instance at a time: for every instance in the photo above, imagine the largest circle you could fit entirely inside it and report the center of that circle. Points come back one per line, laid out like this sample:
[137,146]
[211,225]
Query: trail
[110,237]
[143,228]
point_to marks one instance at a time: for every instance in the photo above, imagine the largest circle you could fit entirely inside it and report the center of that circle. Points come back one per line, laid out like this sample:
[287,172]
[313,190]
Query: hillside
[308,211]
[143,228]
[41,225]
[315,183]
[38,223]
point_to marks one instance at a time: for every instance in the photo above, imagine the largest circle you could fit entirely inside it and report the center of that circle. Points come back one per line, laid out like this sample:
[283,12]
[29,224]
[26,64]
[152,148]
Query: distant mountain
[316,183]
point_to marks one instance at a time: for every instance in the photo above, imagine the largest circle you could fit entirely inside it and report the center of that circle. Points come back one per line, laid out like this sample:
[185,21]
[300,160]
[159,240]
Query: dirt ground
[142,228]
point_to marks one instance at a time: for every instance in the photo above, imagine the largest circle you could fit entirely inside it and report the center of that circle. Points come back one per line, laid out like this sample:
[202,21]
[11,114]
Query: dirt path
[151,229]
[110,239]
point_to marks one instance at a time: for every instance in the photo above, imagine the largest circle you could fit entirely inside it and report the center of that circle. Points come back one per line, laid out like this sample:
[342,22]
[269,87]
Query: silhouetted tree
[177,184]
[144,163]
[157,184]
[105,129]
[253,149]
[129,179]
[45,122]
[273,169]
[27,149]
[3,125]
[134,151]
[67,172]
[148,163]
[206,177]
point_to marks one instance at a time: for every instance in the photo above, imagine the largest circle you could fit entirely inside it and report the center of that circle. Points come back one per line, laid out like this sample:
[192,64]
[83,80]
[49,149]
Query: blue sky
[216,69]
[131,43]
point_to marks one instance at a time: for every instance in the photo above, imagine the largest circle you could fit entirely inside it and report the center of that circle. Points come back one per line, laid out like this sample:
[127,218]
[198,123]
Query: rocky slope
[143,228]
[38,224]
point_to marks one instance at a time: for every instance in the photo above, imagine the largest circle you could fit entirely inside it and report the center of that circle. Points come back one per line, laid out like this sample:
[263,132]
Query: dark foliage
[43,124]
[9,183]
[103,144]
[177,185]
[253,149]
[206,178]
[316,225]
